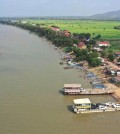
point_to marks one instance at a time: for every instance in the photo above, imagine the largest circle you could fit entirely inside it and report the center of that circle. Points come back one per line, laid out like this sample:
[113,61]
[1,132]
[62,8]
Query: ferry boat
[85,106]
[76,89]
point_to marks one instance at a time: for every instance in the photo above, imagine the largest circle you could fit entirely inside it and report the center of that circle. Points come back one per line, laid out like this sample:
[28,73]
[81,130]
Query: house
[55,28]
[66,33]
[103,44]
[24,22]
[98,49]
[117,54]
[82,45]
[118,72]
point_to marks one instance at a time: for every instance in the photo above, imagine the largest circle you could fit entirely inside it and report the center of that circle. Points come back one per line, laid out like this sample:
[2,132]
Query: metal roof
[81,101]
[72,85]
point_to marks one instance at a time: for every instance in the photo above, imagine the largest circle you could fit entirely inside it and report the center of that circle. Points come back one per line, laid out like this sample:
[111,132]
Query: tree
[103,53]
[111,56]
[95,62]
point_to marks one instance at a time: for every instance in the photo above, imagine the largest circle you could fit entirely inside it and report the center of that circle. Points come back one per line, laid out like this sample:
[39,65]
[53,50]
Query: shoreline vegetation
[69,43]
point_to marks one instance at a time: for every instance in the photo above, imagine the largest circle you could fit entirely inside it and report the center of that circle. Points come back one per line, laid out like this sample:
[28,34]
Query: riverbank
[30,81]
[46,35]
[97,71]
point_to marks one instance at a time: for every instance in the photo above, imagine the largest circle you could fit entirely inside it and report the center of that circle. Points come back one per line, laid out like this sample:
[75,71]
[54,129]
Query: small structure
[117,54]
[55,28]
[116,80]
[72,88]
[103,44]
[82,45]
[118,72]
[33,24]
[81,104]
[24,22]
[98,49]
[66,33]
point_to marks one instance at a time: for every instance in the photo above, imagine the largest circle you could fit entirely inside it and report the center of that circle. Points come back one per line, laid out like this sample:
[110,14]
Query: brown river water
[30,98]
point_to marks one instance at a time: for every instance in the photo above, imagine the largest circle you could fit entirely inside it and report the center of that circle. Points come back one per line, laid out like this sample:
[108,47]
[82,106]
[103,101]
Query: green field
[104,28]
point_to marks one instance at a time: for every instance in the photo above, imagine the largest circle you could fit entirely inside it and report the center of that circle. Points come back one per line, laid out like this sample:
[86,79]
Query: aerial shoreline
[116,95]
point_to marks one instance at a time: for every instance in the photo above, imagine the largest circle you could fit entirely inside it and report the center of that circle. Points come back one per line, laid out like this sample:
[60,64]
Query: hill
[114,15]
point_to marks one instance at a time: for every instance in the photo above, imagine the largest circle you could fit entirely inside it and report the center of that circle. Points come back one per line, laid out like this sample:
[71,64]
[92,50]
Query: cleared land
[104,28]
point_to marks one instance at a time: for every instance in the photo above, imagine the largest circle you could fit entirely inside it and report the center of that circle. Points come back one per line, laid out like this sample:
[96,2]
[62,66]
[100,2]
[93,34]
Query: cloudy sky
[11,8]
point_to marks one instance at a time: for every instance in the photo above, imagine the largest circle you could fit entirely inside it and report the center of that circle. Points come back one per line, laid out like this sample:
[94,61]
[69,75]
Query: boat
[76,89]
[85,106]
[67,67]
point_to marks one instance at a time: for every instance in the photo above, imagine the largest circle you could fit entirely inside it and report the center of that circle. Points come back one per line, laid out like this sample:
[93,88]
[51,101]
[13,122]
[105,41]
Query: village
[108,73]
[102,68]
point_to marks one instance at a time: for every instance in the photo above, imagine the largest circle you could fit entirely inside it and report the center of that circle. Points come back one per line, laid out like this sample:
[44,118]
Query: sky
[22,8]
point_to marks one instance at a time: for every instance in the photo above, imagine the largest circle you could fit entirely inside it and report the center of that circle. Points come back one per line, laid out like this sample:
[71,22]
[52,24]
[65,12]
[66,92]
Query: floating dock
[85,106]
[75,89]
[97,110]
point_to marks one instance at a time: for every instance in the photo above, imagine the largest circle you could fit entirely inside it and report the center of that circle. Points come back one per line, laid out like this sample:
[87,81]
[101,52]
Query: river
[30,83]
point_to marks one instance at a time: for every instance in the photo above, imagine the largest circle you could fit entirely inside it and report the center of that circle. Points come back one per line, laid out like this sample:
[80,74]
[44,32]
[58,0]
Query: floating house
[76,89]
[81,104]
[85,106]
[72,88]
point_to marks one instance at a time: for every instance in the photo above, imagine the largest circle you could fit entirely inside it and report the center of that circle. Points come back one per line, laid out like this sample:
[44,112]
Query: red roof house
[66,33]
[105,44]
[55,28]
[82,45]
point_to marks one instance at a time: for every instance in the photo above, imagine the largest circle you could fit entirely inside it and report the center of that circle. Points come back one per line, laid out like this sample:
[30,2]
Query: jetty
[85,106]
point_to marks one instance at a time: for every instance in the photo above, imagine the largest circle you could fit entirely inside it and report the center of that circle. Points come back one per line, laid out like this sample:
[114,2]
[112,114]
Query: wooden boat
[76,89]
[67,67]
[85,106]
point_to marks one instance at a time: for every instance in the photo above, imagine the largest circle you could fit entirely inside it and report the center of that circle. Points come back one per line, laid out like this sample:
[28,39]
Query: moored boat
[76,89]
[85,106]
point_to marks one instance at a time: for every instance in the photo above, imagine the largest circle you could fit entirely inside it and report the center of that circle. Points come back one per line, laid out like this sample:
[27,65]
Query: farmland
[104,28]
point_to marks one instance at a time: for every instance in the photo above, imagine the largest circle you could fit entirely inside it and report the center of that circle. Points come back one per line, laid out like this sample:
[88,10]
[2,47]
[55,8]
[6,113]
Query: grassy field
[104,28]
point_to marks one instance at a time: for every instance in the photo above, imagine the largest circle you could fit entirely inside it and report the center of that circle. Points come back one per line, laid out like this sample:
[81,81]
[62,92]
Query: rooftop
[117,53]
[81,101]
[72,85]
[105,42]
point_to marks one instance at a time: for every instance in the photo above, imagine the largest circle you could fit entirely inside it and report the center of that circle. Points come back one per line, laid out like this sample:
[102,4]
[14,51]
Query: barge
[85,106]
[76,89]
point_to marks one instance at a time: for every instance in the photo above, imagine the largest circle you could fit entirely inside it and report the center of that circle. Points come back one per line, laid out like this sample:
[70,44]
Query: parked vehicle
[102,107]
[116,105]
[109,104]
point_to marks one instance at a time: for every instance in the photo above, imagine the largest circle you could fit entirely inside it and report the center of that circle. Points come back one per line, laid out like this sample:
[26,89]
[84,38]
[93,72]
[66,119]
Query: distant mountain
[114,15]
